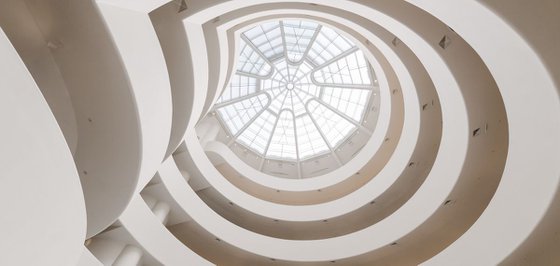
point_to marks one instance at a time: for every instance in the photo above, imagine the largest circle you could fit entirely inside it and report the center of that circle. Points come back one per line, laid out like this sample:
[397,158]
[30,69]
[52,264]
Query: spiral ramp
[110,153]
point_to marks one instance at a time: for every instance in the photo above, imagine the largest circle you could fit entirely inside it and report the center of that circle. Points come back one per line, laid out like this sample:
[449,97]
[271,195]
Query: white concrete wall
[40,187]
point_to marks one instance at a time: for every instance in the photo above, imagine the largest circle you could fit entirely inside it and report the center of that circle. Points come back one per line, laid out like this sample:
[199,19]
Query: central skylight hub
[300,90]
[290,86]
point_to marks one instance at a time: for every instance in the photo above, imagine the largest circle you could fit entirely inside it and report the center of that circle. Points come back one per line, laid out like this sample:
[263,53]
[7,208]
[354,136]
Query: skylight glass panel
[334,127]
[352,69]
[267,38]
[239,86]
[278,102]
[298,35]
[300,90]
[351,102]
[310,142]
[298,102]
[256,136]
[328,45]
[287,71]
[303,70]
[289,102]
[238,114]
[283,142]
[307,88]
[251,62]
[273,85]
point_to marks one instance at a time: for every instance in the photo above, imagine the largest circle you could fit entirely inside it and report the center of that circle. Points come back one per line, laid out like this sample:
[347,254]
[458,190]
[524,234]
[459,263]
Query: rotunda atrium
[272,132]
[299,91]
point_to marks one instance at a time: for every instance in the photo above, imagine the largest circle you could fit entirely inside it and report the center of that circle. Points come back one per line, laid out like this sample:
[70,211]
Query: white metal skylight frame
[299,91]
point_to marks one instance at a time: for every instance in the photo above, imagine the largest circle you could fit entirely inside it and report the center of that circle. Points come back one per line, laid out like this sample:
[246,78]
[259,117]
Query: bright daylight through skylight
[299,91]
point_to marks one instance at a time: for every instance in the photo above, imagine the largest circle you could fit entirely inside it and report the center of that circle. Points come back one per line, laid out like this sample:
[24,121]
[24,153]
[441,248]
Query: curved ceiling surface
[423,166]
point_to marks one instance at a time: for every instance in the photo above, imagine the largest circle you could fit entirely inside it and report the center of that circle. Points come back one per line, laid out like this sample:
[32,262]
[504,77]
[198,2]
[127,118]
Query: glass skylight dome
[299,91]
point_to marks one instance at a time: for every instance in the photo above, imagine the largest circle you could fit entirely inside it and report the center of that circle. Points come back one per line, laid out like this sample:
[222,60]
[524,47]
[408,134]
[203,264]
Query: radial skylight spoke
[310,141]
[238,99]
[283,142]
[251,62]
[298,35]
[239,86]
[328,45]
[351,102]
[301,89]
[300,98]
[302,73]
[287,71]
[352,69]
[333,126]
[259,132]
[278,102]
[267,38]
[238,114]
